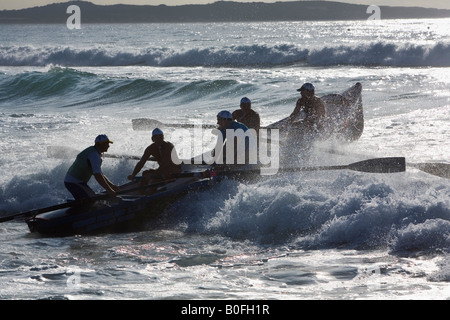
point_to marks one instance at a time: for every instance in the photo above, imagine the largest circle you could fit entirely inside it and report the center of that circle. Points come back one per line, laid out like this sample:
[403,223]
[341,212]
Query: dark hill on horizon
[222,11]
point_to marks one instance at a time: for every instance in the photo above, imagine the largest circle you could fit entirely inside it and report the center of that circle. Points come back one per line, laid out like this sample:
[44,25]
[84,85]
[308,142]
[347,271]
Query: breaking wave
[374,54]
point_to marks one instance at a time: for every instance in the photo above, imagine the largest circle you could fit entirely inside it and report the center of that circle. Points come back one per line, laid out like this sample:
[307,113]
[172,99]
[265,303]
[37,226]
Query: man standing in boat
[87,164]
[247,115]
[165,154]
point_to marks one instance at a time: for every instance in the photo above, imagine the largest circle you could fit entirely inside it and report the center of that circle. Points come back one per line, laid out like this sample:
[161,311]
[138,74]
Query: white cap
[225,114]
[156,131]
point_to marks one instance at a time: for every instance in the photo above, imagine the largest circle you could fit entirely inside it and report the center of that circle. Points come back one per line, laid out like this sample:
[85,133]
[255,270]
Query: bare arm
[106,184]
[140,164]
[256,122]
[294,114]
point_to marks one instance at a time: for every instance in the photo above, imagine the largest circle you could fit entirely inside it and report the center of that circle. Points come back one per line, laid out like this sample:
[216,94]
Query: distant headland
[221,11]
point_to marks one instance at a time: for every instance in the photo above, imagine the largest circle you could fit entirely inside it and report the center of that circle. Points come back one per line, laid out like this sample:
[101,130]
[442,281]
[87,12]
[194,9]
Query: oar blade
[144,124]
[380,165]
[437,169]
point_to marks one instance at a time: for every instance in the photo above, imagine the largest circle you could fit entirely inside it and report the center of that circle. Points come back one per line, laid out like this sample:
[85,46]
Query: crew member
[87,164]
[247,115]
[309,113]
[165,154]
[241,136]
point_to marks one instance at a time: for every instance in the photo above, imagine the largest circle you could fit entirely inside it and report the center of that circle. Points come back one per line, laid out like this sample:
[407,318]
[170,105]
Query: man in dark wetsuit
[247,115]
[164,153]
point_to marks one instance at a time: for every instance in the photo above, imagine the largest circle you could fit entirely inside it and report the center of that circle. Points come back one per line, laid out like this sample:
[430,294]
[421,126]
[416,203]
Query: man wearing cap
[309,113]
[164,152]
[87,164]
[229,129]
[308,117]
[247,115]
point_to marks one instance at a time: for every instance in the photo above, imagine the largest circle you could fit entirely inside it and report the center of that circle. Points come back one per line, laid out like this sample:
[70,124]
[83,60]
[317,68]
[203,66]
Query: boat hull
[124,213]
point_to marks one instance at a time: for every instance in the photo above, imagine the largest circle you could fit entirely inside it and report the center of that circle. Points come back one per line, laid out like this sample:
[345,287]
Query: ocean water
[316,235]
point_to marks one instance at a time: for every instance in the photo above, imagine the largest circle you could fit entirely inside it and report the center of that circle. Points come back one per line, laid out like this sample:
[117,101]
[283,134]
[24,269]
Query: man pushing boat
[87,164]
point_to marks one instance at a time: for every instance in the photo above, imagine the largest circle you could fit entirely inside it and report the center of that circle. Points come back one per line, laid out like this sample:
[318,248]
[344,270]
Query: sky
[20,4]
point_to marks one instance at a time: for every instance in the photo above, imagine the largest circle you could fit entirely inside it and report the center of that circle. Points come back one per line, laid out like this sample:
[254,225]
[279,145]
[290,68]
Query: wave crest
[375,54]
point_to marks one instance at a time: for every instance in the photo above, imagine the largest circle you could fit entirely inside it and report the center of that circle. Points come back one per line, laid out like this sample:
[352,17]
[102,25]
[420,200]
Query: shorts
[79,190]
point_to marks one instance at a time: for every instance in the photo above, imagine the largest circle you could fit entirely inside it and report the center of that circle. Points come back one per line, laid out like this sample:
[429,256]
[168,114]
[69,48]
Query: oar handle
[128,157]
[320,168]
[147,124]
[64,152]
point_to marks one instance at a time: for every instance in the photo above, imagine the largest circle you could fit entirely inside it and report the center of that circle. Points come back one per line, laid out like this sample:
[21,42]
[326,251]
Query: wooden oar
[150,124]
[439,169]
[63,152]
[35,212]
[379,165]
